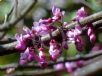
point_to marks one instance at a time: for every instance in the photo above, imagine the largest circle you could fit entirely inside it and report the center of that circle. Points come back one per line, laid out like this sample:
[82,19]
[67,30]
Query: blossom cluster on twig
[34,49]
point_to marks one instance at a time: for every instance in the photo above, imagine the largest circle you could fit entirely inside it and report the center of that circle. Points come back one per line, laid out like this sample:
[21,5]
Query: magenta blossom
[80,45]
[74,37]
[81,13]
[59,66]
[91,33]
[43,61]
[42,29]
[97,47]
[21,42]
[65,44]
[72,33]
[45,21]
[28,33]
[70,66]
[54,50]
[28,55]
[24,57]
[58,14]
[80,63]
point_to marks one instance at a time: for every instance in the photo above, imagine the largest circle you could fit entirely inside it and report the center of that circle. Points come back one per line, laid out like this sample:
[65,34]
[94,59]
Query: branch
[9,25]
[8,48]
[2,35]
[50,64]
[93,69]
[98,24]
[39,72]
[55,33]
[83,22]
[7,40]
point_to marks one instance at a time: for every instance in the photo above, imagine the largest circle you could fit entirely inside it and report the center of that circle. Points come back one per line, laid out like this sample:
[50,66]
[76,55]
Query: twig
[8,48]
[39,72]
[9,25]
[93,69]
[7,40]
[50,64]
[98,24]
[8,15]
[14,12]
[2,36]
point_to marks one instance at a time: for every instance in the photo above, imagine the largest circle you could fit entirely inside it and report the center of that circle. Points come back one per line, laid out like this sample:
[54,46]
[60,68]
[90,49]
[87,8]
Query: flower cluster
[69,66]
[32,48]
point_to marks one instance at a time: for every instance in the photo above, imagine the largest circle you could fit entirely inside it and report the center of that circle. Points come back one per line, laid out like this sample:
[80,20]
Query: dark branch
[50,64]
[8,48]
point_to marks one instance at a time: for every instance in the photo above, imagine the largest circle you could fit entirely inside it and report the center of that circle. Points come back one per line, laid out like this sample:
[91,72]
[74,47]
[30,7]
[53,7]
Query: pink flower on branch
[54,50]
[31,40]
[21,42]
[59,66]
[57,14]
[43,60]
[91,33]
[81,13]
[28,55]
[42,29]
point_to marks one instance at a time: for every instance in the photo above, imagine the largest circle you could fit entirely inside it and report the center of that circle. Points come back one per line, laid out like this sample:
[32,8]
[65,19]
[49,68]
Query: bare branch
[98,24]
[35,72]
[93,69]
[2,35]
[9,25]
[8,48]
[7,40]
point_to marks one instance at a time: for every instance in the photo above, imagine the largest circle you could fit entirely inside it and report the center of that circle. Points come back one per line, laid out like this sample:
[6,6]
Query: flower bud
[70,66]
[59,66]
[21,43]
[54,50]
[79,44]
[91,33]
[43,61]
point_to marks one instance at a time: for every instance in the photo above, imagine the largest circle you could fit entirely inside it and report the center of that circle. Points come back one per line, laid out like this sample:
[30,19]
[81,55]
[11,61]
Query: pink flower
[74,37]
[59,66]
[24,57]
[96,47]
[65,44]
[80,46]
[72,33]
[21,42]
[54,50]
[91,33]
[28,33]
[42,29]
[70,66]
[57,14]
[80,63]
[81,13]
[28,55]
[43,61]
[45,21]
